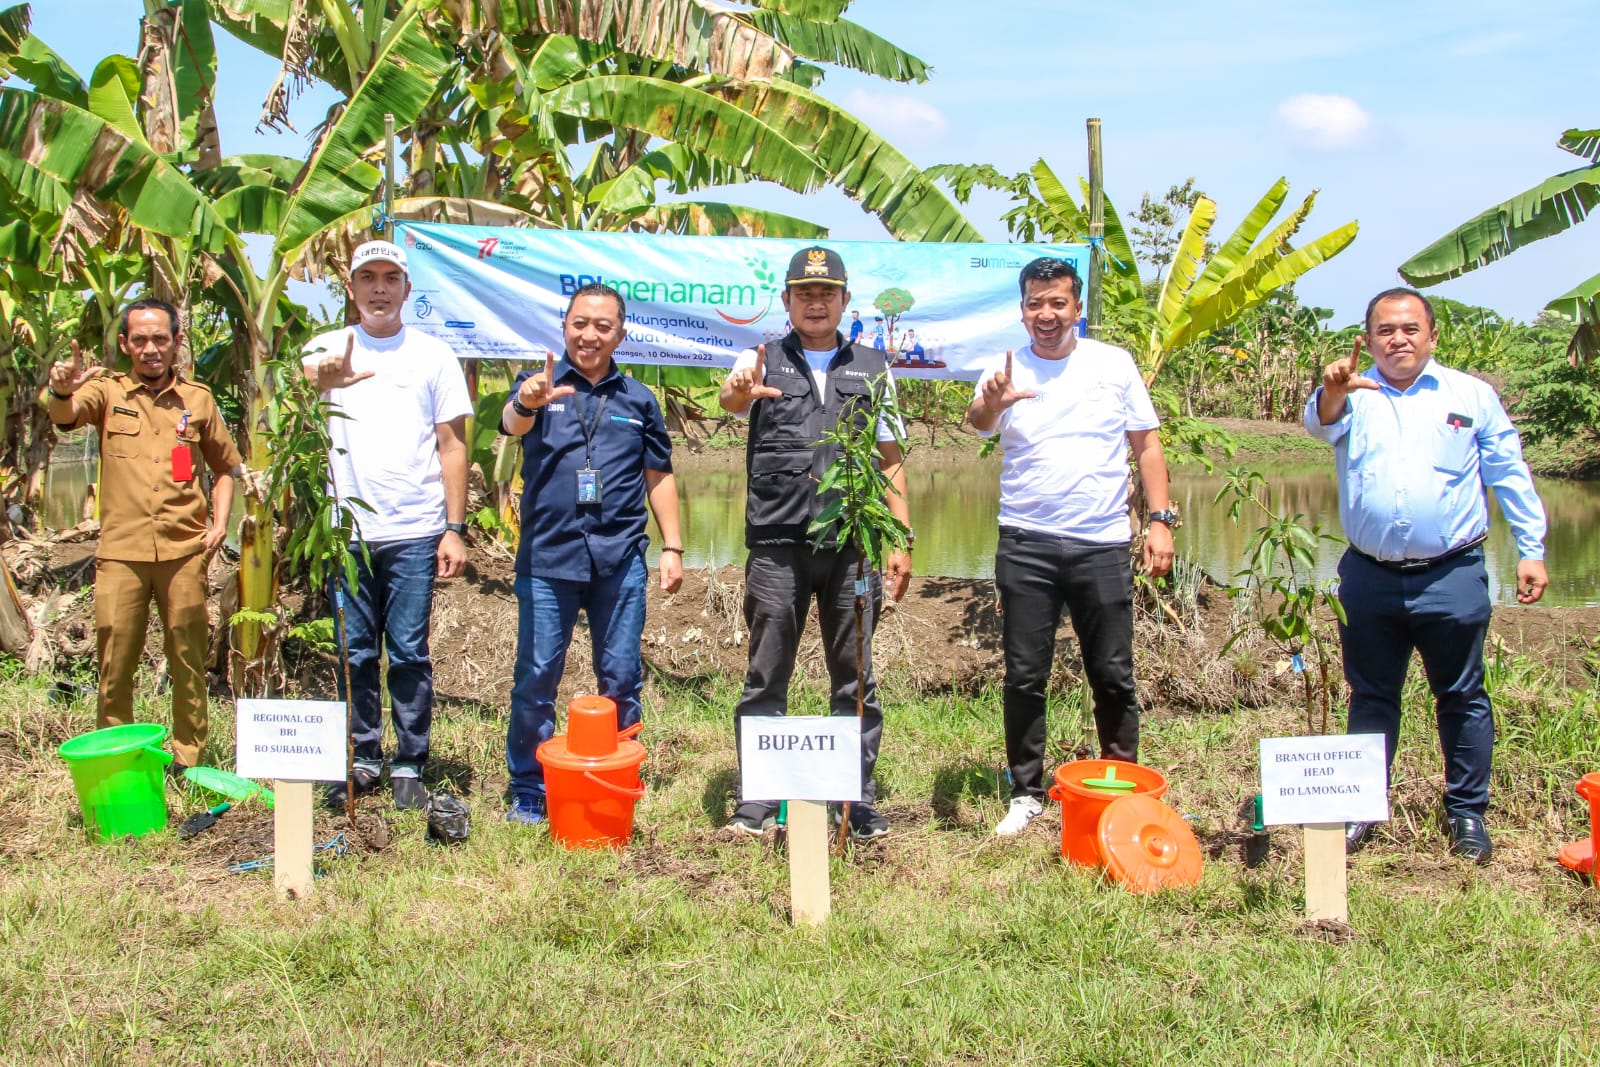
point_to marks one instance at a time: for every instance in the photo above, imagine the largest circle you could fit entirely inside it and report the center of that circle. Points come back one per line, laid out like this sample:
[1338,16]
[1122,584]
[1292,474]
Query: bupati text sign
[499,293]
[793,757]
[1324,779]
[293,740]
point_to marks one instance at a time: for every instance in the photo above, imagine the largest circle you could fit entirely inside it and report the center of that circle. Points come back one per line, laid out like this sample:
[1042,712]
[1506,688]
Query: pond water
[955,509]
[955,506]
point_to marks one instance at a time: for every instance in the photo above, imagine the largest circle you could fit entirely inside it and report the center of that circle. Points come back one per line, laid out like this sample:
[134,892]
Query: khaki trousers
[122,592]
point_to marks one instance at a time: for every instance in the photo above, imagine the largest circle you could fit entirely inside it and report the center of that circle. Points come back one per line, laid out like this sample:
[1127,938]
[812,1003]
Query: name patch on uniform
[132,414]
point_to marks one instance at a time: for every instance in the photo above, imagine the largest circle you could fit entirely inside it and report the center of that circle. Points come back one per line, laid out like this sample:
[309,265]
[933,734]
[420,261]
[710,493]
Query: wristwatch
[911,539]
[457,528]
[1165,515]
[521,409]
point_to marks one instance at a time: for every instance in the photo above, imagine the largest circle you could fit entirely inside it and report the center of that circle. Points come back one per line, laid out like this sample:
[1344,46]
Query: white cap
[378,250]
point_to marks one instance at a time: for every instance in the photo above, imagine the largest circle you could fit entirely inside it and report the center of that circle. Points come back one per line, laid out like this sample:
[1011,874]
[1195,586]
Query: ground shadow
[969,780]
[714,801]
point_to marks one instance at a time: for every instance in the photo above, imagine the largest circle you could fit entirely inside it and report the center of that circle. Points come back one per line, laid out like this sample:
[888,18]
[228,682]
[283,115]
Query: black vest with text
[785,457]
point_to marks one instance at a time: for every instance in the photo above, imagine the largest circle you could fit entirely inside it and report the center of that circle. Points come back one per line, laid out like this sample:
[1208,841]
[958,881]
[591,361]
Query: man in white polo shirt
[1067,410]
[399,447]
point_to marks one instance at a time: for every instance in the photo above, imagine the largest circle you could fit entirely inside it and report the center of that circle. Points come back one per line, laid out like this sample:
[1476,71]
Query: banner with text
[941,310]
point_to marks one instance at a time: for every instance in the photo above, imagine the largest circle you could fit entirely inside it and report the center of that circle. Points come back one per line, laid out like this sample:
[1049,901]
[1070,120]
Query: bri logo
[487,246]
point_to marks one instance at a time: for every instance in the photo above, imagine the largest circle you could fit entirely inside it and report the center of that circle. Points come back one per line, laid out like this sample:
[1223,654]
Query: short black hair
[599,289]
[150,303]
[1395,294]
[1048,269]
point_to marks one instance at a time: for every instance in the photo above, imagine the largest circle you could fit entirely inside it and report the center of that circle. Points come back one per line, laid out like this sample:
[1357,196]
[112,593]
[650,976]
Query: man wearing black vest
[792,397]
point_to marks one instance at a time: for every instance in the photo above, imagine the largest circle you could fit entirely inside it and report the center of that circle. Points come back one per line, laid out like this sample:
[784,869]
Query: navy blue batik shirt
[565,540]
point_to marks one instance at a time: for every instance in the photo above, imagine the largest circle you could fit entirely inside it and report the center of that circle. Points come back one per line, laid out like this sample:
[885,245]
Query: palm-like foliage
[1551,207]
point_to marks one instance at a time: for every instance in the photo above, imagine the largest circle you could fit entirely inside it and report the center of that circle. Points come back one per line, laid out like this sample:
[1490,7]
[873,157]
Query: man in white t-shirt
[400,449]
[1067,410]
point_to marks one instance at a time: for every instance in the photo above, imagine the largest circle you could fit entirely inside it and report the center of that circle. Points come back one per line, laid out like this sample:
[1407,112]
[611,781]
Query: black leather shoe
[1469,838]
[409,794]
[1356,835]
[334,797]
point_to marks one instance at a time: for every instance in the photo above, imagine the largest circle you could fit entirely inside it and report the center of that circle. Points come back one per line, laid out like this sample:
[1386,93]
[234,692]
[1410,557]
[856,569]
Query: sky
[1407,117]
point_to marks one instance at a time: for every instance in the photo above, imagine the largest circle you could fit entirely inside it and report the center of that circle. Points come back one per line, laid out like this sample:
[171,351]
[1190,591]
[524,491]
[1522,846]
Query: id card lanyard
[588,477]
[182,457]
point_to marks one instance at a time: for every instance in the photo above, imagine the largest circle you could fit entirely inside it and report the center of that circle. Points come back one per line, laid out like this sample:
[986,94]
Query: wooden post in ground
[388,177]
[1326,896]
[808,862]
[1097,230]
[291,839]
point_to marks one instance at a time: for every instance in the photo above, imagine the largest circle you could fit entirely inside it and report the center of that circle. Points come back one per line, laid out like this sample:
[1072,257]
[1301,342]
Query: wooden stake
[1326,896]
[808,862]
[1097,229]
[291,839]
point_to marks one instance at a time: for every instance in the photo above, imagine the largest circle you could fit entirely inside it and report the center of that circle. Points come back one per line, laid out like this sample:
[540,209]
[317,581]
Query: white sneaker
[1023,811]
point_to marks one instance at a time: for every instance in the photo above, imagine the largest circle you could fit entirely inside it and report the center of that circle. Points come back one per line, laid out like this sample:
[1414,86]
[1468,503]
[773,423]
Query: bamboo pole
[388,176]
[1097,229]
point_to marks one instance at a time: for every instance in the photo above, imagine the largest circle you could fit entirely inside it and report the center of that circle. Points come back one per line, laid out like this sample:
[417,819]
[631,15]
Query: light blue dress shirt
[1415,466]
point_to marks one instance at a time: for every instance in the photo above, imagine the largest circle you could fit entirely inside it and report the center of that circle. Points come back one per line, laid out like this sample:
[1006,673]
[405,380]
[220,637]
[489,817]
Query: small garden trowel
[201,820]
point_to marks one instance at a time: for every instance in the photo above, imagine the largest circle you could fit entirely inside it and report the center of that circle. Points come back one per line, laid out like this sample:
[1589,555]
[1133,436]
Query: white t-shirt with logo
[385,448]
[817,363]
[1066,452]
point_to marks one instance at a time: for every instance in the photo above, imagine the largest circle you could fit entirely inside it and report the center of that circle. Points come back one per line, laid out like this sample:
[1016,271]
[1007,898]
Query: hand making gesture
[334,372]
[999,392]
[537,390]
[67,378]
[745,387]
[1339,379]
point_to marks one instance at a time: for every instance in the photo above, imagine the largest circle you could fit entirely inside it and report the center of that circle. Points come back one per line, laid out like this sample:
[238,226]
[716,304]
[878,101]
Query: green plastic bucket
[118,775]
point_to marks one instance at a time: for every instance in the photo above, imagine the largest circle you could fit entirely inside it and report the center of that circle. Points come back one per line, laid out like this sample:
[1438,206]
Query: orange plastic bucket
[1580,855]
[1082,805]
[591,776]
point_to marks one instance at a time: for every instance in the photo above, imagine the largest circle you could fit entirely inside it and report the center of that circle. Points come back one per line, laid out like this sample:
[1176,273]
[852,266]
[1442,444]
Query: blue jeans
[1443,613]
[391,610]
[547,609]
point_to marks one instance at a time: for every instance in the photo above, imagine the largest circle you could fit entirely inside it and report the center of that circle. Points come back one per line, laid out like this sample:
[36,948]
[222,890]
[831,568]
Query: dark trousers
[780,581]
[1037,574]
[391,610]
[1443,613]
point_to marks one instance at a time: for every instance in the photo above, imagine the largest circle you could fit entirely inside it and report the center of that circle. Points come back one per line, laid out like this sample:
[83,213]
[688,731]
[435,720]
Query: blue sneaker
[526,810]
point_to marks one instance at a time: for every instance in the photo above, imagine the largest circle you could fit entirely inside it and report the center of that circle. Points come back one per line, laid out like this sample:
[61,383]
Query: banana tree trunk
[254,666]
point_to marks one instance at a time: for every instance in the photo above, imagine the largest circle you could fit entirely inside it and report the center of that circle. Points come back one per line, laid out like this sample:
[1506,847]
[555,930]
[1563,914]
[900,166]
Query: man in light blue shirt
[1417,446]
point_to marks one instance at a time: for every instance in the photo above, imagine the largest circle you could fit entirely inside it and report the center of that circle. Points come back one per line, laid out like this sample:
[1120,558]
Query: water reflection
[955,507]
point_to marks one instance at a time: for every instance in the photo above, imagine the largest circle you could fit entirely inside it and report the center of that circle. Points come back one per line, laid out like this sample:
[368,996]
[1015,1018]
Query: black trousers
[780,581]
[1037,574]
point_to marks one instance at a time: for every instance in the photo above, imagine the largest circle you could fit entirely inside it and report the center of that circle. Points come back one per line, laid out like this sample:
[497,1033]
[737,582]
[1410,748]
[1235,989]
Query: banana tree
[1553,206]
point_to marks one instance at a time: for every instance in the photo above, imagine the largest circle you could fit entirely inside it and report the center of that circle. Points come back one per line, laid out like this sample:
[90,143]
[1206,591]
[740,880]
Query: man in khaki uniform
[155,427]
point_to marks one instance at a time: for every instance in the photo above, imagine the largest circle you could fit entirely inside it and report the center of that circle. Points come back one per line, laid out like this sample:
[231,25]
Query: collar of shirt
[565,369]
[132,384]
[1428,376]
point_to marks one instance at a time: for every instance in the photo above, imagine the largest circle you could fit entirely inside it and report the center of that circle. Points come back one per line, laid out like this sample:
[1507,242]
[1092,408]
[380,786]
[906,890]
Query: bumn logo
[421,307]
[487,246]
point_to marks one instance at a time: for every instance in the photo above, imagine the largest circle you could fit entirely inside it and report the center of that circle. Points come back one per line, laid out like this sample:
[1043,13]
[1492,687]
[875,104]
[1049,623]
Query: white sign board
[791,757]
[1324,779]
[293,740]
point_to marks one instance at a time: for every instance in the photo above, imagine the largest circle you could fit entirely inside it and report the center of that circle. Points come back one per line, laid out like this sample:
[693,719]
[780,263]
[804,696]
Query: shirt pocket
[123,437]
[1454,449]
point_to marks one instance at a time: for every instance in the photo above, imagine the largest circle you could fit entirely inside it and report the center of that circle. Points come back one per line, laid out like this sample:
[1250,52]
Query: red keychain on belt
[182,458]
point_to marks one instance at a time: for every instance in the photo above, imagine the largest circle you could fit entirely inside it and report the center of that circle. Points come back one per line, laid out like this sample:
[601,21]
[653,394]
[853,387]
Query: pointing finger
[1008,365]
[549,369]
[349,350]
[759,374]
[1355,355]
[77,357]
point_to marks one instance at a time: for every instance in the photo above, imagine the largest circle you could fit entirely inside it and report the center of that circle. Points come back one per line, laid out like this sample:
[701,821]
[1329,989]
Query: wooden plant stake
[291,839]
[1326,895]
[809,900]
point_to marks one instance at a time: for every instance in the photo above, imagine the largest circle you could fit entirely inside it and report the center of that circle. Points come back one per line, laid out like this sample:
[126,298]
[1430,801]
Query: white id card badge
[588,486]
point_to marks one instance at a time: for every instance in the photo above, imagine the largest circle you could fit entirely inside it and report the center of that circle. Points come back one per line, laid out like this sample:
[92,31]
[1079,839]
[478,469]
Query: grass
[945,945]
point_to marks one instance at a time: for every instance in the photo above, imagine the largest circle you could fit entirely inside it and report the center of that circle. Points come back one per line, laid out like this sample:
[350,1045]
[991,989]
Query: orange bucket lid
[557,752]
[1147,846]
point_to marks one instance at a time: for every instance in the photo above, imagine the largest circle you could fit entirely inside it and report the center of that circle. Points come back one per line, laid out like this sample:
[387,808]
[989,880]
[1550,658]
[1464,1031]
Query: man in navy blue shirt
[594,448]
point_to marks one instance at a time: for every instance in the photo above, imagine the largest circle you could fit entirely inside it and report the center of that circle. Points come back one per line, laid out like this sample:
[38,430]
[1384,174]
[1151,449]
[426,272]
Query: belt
[1412,566]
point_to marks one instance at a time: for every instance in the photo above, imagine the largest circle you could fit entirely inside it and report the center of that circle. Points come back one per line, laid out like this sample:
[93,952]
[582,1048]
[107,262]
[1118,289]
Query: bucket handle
[631,794]
[160,755]
[631,732]
[1057,794]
